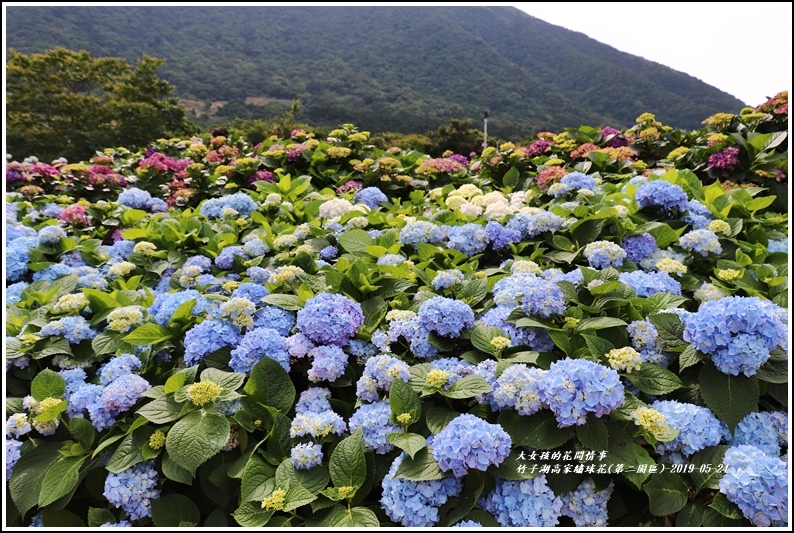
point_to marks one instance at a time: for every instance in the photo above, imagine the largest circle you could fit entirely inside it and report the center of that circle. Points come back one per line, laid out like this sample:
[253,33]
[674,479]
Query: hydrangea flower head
[586,506]
[207,337]
[701,241]
[470,239]
[662,194]
[379,374]
[374,420]
[523,503]
[518,387]
[758,484]
[133,489]
[648,283]
[305,456]
[445,316]
[603,254]
[256,344]
[697,427]
[330,319]
[542,297]
[469,442]
[371,197]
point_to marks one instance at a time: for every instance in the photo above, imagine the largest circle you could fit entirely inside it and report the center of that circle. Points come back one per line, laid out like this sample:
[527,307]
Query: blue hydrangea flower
[133,489]
[225,259]
[469,442]
[536,338]
[518,387]
[586,506]
[156,205]
[646,340]
[276,318]
[697,427]
[701,241]
[574,387]
[17,425]
[134,197]
[14,292]
[523,503]
[639,247]
[374,420]
[370,196]
[578,180]
[75,329]
[51,234]
[555,274]
[12,455]
[313,400]
[83,396]
[51,210]
[697,215]
[330,319]
[662,194]
[470,239]
[120,523]
[420,231]
[648,283]
[530,226]
[445,316]
[762,430]
[166,303]
[457,368]
[207,337]
[328,253]
[445,279]
[75,378]
[363,351]
[758,484]
[468,523]
[255,248]
[603,254]
[415,503]
[256,344]
[501,236]
[240,202]
[509,291]
[542,298]
[17,257]
[251,291]
[391,259]
[305,456]
[52,272]
[328,363]
[204,263]
[316,425]
[379,374]
[780,245]
[117,367]
[738,332]
[258,274]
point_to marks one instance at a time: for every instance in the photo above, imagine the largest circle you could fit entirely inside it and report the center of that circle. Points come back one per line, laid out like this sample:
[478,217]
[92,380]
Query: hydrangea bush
[588,330]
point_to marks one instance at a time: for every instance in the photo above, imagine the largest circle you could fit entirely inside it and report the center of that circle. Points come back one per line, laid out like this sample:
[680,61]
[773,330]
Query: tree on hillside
[64,103]
[459,136]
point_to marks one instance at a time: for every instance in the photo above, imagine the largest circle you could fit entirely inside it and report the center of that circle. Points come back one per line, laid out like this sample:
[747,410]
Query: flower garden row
[588,330]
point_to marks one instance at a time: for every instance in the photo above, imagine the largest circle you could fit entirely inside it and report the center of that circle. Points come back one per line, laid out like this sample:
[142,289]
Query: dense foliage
[590,329]
[64,103]
[406,69]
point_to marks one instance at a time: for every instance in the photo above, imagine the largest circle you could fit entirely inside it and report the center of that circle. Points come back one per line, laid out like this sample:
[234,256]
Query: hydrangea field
[587,329]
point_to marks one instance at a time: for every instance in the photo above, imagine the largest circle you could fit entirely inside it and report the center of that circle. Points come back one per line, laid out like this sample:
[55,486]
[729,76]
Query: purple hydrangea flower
[445,316]
[330,319]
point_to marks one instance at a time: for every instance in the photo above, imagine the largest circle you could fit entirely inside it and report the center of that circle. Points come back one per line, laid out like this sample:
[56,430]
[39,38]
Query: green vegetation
[389,69]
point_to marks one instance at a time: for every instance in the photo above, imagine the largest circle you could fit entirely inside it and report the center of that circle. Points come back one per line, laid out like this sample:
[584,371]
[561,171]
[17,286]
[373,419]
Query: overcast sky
[742,48]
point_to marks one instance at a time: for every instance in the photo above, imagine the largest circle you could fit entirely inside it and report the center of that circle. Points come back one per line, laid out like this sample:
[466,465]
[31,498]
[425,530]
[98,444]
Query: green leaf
[251,514]
[712,519]
[438,417]
[257,480]
[653,379]
[374,310]
[297,496]
[82,431]
[270,384]
[533,322]
[410,443]
[172,509]
[598,346]
[587,231]
[593,434]
[481,337]
[290,302]
[731,398]
[725,507]
[624,451]
[775,370]
[173,471]
[348,467]
[355,517]
[539,431]
[47,384]
[61,478]
[601,322]
[106,342]
[423,467]
[196,438]
[666,493]
[97,517]
[147,335]
[690,516]
[403,399]
[392,287]
[467,387]
[28,475]
[561,341]
[227,380]
[689,357]
[52,412]
[355,240]
[163,410]
[174,383]
[670,328]
[474,291]
[513,469]
[129,452]
[664,235]
[510,178]
[61,518]
[705,462]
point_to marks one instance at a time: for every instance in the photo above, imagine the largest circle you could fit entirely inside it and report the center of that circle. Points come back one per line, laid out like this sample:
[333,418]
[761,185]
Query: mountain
[406,69]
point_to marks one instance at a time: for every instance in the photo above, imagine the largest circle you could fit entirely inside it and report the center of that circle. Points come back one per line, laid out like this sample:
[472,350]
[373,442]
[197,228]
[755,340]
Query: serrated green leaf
[410,443]
[689,357]
[28,474]
[290,302]
[257,479]
[423,467]
[129,453]
[97,517]
[147,335]
[593,434]
[670,328]
[82,431]
[355,240]
[47,384]
[403,399]
[174,383]
[690,516]
[172,509]
[163,410]
[197,437]
[539,431]
[726,508]
[355,517]
[474,291]
[667,493]
[227,380]
[481,337]
[598,346]
[731,398]
[438,417]
[61,478]
[653,379]
[467,387]
[601,322]
[106,342]
[251,514]
[510,178]
[348,467]
[270,385]
[297,496]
